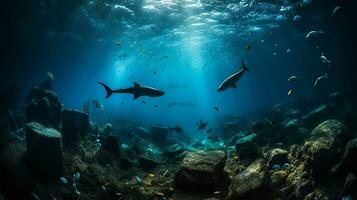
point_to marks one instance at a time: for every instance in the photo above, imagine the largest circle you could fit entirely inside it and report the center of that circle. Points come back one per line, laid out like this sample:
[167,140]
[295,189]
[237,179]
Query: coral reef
[286,154]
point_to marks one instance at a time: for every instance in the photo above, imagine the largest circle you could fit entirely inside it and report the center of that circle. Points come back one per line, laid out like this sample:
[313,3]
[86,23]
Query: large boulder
[320,156]
[327,129]
[324,148]
[44,150]
[251,184]
[43,106]
[247,149]
[159,135]
[299,183]
[201,170]
[74,125]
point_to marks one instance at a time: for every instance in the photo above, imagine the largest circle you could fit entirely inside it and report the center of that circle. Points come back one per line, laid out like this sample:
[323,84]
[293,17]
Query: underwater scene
[178,100]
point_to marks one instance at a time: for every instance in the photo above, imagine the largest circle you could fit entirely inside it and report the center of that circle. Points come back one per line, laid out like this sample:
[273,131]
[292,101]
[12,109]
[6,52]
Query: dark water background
[191,45]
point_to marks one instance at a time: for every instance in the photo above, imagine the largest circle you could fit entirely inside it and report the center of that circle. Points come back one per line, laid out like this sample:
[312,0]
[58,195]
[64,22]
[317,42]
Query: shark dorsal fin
[136,84]
[136,96]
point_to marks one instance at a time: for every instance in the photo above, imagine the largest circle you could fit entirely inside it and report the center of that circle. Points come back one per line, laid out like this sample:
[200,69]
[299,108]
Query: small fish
[290,92]
[138,179]
[118,43]
[75,189]
[297,18]
[276,167]
[144,102]
[217,192]
[286,166]
[156,106]
[336,10]
[319,79]
[76,176]
[35,196]
[201,125]
[155,73]
[151,175]
[165,172]
[152,28]
[160,194]
[288,50]
[248,47]
[63,180]
[50,76]
[274,54]
[209,130]
[216,109]
[292,78]
[314,34]
[324,59]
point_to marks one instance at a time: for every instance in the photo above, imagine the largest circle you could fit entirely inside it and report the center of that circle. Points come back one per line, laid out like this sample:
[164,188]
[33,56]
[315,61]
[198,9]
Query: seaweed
[90,107]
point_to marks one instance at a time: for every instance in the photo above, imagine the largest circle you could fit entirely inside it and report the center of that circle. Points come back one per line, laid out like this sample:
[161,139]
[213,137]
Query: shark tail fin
[107,89]
[244,66]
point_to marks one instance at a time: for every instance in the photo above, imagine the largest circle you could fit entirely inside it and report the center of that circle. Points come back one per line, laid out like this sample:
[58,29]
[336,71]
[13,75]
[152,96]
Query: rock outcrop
[74,125]
[323,149]
[149,160]
[251,184]
[202,170]
[43,106]
[277,156]
[44,150]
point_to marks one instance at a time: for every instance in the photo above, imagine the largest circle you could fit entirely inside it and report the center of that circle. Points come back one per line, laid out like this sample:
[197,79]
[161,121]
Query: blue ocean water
[186,48]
